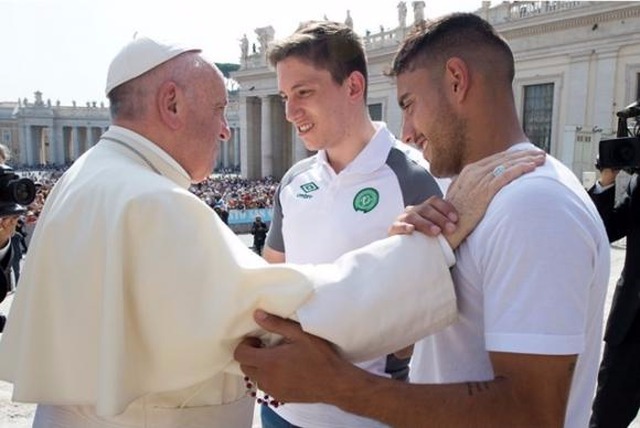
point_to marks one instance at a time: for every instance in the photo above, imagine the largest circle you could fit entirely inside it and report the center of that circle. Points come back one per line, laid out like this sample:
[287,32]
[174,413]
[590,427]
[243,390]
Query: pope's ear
[171,103]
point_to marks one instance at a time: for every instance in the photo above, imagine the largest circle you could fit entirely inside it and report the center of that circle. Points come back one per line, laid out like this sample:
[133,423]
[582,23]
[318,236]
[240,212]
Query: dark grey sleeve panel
[274,236]
[275,240]
[416,182]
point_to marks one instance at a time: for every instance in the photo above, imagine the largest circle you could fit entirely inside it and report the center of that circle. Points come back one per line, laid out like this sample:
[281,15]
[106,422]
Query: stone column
[266,143]
[75,143]
[603,113]
[87,139]
[22,138]
[82,139]
[577,81]
[95,135]
[224,146]
[236,149]
[299,150]
[58,142]
[231,148]
[29,145]
[67,144]
[243,135]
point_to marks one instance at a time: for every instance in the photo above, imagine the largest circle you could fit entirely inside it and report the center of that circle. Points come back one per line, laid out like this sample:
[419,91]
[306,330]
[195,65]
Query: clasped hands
[297,369]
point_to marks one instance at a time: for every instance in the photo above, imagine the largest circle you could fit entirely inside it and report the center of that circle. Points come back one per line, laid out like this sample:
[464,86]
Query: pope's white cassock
[134,295]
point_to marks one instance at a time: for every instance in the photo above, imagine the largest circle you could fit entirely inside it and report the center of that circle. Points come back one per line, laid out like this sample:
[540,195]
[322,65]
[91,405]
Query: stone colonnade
[62,144]
[270,142]
[229,153]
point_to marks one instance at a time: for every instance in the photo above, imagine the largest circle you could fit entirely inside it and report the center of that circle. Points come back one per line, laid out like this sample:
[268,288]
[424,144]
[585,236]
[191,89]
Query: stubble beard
[451,146]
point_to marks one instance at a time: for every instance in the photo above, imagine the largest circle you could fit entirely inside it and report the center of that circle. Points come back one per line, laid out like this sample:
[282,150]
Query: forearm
[357,287]
[473,404]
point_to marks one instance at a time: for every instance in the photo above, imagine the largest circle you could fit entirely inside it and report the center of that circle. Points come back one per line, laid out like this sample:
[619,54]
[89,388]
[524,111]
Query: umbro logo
[309,187]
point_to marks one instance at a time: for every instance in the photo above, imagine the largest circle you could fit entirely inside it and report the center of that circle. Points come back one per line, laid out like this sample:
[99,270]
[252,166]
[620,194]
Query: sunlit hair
[326,45]
[462,35]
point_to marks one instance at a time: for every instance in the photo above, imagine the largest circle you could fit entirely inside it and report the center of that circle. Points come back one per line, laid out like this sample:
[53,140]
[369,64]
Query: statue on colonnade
[349,21]
[402,14]
[418,12]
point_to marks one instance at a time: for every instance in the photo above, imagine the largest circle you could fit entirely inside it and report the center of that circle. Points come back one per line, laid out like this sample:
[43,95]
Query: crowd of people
[236,193]
[221,191]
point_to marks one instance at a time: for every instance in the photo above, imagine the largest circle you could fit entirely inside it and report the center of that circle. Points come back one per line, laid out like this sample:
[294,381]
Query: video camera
[622,152]
[15,193]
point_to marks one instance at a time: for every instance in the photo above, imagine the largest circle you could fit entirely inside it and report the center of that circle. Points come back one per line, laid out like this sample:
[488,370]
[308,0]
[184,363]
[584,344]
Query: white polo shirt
[320,215]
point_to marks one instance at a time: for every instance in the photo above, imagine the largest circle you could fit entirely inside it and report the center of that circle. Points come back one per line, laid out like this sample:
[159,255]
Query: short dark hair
[462,35]
[327,45]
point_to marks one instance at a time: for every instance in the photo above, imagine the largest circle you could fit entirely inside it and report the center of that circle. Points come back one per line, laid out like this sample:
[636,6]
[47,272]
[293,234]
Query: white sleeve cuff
[382,297]
[447,251]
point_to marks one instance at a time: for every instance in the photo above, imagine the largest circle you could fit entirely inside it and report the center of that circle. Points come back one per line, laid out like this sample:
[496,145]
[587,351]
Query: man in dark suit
[7,228]
[259,231]
[618,395]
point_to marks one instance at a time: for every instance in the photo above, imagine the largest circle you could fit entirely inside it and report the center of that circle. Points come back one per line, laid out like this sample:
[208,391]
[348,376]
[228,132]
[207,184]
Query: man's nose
[407,132]
[225,132]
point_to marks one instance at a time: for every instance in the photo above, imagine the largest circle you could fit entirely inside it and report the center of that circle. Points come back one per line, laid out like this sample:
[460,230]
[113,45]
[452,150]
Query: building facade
[40,134]
[577,64]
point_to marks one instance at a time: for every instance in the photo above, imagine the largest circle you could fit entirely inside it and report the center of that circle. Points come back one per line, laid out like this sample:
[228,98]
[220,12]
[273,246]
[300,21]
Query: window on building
[6,136]
[375,111]
[538,113]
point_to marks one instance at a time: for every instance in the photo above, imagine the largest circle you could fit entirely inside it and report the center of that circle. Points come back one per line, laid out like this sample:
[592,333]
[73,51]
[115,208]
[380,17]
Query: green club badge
[366,200]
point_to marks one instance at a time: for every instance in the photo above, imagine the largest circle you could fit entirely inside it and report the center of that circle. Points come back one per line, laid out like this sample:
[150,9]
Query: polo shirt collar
[372,157]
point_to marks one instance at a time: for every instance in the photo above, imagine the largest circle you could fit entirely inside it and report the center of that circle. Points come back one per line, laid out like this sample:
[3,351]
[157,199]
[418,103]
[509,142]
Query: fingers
[248,354]
[478,170]
[496,159]
[404,352]
[478,183]
[432,217]
[438,205]
[511,173]
[484,171]
[400,228]
[274,324]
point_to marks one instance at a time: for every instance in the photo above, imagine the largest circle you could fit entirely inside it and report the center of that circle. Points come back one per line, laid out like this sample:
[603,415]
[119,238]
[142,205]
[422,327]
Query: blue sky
[63,47]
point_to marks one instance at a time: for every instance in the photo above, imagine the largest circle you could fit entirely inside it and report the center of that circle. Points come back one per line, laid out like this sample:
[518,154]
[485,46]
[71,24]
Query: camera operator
[618,394]
[7,229]
[15,194]
[6,255]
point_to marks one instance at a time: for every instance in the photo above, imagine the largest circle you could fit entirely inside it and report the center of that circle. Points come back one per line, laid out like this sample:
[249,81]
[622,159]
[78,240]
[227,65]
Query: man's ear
[170,101]
[356,85]
[457,78]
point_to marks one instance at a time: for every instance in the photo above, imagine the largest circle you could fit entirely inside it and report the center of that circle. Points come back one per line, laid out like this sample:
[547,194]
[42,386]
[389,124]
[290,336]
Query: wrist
[350,383]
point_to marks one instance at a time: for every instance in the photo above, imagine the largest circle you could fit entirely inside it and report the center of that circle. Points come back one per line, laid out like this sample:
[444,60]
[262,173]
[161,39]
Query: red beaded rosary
[265,399]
